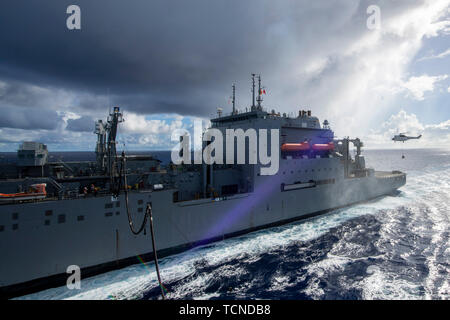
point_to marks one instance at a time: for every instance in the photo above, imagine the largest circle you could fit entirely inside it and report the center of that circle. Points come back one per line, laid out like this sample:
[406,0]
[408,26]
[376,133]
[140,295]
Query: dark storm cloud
[83,124]
[177,56]
[28,118]
[153,56]
[146,50]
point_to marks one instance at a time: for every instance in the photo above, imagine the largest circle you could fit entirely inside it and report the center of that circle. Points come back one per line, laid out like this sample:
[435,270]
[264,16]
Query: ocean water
[396,247]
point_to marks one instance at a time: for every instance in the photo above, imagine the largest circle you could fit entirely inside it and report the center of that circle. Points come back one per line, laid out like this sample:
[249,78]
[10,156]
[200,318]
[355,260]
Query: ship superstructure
[84,218]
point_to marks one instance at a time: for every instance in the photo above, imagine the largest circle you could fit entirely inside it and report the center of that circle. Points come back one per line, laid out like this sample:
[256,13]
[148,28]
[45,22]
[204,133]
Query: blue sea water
[396,247]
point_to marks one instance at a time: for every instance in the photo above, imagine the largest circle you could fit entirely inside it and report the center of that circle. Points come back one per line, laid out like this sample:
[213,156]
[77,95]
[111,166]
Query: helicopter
[403,137]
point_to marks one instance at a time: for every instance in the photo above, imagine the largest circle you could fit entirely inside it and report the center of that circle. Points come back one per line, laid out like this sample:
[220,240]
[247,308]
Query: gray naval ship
[93,214]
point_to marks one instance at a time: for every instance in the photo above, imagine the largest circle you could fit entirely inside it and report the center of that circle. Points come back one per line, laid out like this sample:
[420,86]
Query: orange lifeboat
[37,191]
[295,147]
[323,146]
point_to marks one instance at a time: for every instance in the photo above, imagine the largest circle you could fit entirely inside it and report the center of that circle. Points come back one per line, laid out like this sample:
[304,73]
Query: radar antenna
[253,91]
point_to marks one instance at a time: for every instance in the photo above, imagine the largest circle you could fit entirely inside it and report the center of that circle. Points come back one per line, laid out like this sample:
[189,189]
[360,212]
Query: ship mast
[234,98]
[253,91]
[259,99]
[100,149]
[113,120]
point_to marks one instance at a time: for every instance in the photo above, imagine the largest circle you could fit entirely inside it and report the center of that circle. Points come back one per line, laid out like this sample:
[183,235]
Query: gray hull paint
[36,245]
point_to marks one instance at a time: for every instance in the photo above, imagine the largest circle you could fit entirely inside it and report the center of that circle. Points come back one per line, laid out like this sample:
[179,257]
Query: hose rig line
[148,213]
[130,220]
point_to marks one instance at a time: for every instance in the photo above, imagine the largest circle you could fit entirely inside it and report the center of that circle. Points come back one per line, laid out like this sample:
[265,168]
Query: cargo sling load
[84,210]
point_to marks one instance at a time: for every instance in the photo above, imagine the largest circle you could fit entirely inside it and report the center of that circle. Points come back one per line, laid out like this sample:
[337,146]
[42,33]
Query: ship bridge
[293,129]
[303,120]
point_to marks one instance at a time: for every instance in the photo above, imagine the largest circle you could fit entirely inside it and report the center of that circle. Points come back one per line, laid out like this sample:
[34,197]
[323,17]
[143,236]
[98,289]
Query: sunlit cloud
[417,86]
[436,56]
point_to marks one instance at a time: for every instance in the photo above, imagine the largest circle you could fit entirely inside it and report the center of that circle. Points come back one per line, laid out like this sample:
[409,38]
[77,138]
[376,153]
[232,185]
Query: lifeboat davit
[295,147]
[323,146]
[37,191]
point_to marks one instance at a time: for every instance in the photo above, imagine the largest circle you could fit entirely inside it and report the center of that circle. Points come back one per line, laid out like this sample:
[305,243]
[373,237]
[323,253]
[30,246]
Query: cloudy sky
[167,63]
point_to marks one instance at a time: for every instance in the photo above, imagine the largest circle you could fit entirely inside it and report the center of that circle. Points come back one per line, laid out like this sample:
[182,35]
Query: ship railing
[75,194]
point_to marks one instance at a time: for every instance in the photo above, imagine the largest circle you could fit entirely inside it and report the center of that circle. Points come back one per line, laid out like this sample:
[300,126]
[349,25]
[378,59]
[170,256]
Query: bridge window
[61,218]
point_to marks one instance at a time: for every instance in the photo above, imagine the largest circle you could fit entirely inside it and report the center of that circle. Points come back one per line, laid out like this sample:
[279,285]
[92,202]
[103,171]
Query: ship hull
[40,240]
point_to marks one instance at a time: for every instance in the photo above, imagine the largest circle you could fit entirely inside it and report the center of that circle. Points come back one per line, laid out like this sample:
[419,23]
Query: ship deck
[389,174]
